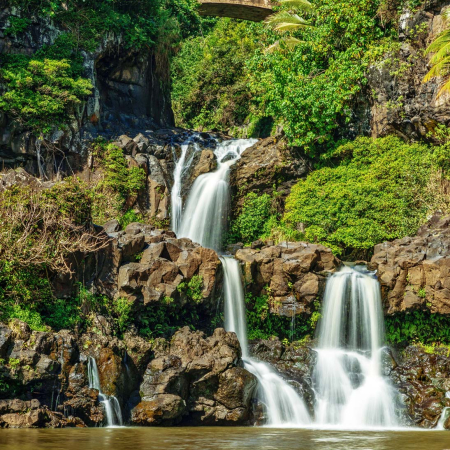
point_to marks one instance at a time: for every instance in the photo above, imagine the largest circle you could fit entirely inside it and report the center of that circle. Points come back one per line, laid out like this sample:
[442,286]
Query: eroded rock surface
[293,273]
[414,272]
[196,379]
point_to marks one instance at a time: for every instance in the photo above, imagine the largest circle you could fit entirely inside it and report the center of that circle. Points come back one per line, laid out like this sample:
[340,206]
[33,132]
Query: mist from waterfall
[204,221]
[110,403]
[350,389]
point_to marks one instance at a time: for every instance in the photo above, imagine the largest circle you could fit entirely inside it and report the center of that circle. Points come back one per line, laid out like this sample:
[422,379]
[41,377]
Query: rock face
[196,380]
[149,266]
[293,273]
[129,93]
[267,163]
[295,363]
[399,103]
[191,379]
[414,271]
[423,380]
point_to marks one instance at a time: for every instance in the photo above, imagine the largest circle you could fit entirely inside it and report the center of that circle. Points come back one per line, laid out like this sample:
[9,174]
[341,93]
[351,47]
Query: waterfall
[182,165]
[110,403]
[204,221]
[205,216]
[350,389]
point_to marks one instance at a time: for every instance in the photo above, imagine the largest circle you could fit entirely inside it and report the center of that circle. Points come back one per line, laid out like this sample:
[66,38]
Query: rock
[267,163]
[158,190]
[414,272]
[295,273]
[423,379]
[112,226]
[196,380]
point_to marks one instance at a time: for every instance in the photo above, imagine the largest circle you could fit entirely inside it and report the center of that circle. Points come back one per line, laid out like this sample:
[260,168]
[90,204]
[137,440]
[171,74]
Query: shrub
[380,190]
[42,94]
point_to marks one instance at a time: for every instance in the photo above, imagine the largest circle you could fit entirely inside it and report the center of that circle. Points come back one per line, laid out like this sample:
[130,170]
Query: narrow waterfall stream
[203,221]
[350,389]
[110,403]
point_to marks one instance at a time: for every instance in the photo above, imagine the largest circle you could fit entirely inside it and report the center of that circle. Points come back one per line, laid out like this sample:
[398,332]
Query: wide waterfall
[204,221]
[110,403]
[350,389]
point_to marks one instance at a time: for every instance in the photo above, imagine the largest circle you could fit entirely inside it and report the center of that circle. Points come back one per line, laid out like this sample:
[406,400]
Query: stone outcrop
[268,163]
[414,271]
[190,379]
[398,102]
[196,380]
[423,378]
[293,274]
[148,266]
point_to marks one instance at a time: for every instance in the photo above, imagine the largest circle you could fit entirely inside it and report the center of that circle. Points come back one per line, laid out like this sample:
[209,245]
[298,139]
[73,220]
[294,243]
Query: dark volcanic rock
[294,272]
[414,271]
[197,380]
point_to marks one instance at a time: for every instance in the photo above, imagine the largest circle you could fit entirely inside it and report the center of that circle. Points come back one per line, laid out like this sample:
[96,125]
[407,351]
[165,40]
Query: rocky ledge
[293,273]
[44,378]
[414,271]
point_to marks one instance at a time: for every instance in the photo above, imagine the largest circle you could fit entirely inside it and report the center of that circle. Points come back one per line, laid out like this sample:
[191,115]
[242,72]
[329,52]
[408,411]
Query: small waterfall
[350,389]
[444,416]
[284,407]
[204,221]
[110,403]
[181,167]
[206,212]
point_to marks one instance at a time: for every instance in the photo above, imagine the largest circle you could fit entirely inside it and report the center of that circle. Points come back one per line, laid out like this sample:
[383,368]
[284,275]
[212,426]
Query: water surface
[218,438]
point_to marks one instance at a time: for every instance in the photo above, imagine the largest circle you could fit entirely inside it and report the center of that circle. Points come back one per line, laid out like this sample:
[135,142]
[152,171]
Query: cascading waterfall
[350,389]
[188,150]
[203,221]
[110,403]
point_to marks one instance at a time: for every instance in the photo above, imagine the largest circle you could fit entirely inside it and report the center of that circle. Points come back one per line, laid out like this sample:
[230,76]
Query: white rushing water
[110,403]
[182,165]
[204,221]
[206,212]
[350,389]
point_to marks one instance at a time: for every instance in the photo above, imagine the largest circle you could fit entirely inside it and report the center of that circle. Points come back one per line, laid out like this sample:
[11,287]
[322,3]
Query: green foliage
[17,25]
[254,220]
[119,182]
[418,326]
[193,288]
[262,324]
[210,89]
[380,190]
[42,94]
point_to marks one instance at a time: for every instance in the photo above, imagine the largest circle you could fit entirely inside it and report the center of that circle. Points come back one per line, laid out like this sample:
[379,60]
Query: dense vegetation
[308,90]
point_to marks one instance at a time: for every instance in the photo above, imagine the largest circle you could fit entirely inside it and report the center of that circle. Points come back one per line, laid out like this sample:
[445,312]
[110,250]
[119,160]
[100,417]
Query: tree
[42,94]
[441,58]
[288,20]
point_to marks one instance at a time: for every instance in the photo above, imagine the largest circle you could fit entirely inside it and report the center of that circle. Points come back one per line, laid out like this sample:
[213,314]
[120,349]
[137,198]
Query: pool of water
[217,438]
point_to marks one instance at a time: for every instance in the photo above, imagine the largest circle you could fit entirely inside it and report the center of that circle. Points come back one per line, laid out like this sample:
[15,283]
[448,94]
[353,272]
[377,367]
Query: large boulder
[293,273]
[268,163]
[414,271]
[196,379]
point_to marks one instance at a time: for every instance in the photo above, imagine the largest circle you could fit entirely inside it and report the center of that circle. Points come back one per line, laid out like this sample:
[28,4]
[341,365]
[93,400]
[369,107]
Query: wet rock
[294,272]
[196,379]
[414,271]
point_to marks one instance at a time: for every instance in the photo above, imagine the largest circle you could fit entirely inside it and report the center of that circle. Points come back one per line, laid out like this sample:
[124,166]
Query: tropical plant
[287,21]
[440,60]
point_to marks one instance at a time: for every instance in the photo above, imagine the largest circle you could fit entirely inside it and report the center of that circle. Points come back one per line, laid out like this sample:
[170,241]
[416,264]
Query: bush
[254,220]
[379,190]
[42,94]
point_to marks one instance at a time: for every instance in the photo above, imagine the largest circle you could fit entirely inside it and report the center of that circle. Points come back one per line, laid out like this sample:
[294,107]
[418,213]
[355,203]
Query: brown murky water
[220,439]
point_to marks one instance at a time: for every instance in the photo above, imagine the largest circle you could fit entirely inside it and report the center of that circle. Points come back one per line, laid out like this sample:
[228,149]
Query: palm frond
[445,87]
[440,69]
[301,5]
[442,40]
[288,42]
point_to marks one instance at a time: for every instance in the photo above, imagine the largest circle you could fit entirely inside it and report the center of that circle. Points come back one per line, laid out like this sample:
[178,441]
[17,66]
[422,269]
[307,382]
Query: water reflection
[220,439]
